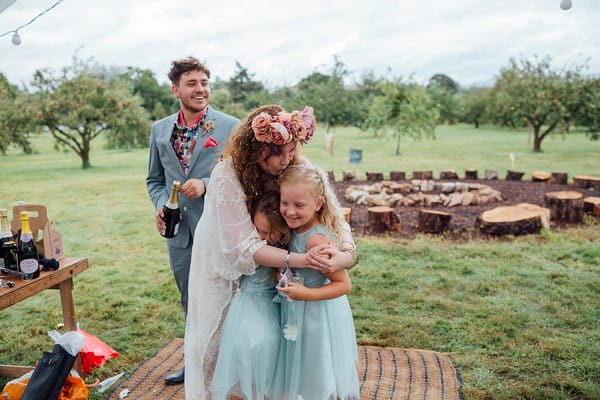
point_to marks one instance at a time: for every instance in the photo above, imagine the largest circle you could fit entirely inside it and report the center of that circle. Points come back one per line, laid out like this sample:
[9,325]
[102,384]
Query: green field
[520,317]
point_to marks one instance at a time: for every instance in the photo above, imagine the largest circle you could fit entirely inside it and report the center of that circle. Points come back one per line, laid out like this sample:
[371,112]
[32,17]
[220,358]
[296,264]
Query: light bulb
[565,4]
[16,39]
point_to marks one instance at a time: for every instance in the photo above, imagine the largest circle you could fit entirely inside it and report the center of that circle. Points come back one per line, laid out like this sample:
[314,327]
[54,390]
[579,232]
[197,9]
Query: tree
[405,110]
[156,99]
[442,89]
[15,117]
[475,102]
[542,97]
[334,105]
[76,110]
[241,86]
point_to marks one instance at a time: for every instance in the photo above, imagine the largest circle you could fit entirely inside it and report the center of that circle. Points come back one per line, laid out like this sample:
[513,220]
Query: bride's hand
[326,258]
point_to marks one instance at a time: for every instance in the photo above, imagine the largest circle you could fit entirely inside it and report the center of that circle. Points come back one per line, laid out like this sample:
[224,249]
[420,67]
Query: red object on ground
[94,352]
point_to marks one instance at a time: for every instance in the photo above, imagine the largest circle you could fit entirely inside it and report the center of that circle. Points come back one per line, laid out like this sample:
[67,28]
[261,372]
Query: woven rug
[388,373]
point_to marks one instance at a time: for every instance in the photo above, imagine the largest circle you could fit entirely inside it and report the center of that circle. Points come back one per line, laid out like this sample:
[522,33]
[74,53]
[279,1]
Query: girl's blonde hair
[329,215]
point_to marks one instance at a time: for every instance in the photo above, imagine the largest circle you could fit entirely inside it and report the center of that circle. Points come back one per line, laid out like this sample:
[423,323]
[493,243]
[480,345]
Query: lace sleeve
[233,236]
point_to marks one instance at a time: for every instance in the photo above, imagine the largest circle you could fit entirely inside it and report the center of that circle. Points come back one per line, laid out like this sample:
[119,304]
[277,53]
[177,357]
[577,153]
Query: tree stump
[374,176]
[382,219]
[448,174]
[422,175]
[331,176]
[587,182]
[347,213]
[543,212]
[514,175]
[566,206]
[591,205]
[433,221]
[471,173]
[490,174]
[397,176]
[540,176]
[510,220]
[561,178]
[348,176]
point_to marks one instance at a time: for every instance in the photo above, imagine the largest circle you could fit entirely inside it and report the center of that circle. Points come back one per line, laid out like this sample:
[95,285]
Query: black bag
[49,375]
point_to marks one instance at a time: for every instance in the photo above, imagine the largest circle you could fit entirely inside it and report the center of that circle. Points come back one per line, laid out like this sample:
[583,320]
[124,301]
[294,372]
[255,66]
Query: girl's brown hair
[268,205]
[245,152]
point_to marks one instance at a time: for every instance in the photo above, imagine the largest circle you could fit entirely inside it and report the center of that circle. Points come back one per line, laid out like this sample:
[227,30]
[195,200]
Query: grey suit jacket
[164,167]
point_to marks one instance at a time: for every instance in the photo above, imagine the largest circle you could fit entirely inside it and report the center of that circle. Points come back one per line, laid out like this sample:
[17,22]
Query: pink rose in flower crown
[296,126]
[309,123]
[280,135]
[261,126]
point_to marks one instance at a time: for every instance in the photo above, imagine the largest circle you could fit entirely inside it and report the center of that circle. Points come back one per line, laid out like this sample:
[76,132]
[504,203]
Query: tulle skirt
[248,348]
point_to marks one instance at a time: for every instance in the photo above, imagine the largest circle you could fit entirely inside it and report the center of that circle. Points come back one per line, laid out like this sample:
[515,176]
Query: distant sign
[355,156]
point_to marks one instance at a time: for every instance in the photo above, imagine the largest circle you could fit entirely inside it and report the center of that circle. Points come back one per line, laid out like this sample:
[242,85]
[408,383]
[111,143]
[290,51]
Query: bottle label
[26,237]
[29,265]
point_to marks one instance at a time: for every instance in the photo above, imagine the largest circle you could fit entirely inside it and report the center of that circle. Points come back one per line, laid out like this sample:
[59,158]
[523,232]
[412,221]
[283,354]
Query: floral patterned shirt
[184,138]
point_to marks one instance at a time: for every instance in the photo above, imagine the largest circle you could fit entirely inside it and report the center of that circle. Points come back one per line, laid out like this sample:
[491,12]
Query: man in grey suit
[185,146]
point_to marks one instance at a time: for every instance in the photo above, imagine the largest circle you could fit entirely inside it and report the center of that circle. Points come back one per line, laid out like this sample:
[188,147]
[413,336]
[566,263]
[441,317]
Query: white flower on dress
[290,332]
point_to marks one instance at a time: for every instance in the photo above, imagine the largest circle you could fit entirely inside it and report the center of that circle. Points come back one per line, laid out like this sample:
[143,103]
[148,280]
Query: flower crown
[284,127]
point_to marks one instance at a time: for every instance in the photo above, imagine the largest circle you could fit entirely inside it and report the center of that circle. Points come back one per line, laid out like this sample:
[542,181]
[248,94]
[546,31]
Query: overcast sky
[284,41]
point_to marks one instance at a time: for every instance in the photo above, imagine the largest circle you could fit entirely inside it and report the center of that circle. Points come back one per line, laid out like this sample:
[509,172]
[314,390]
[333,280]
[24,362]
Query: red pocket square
[210,142]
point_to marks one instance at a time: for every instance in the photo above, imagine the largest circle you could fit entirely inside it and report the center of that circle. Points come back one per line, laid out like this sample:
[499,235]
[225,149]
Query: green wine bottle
[27,255]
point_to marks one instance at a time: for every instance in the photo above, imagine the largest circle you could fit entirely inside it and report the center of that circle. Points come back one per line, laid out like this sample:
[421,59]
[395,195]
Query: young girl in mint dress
[318,355]
[251,331]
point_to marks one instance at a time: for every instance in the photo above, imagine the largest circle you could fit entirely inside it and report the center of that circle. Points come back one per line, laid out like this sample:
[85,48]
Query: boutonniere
[208,126]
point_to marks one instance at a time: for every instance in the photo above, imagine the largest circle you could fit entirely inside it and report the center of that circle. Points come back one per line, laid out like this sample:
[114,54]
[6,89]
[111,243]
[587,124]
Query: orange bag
[73,389]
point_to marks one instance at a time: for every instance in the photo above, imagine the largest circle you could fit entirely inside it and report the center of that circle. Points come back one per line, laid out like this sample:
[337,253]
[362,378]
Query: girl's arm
[340,281]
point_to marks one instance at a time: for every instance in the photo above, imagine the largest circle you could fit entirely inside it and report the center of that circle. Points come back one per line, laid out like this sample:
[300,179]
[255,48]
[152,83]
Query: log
[347,213]
[448,174]
[397,176]
[509,220]
[561,178]
[471,173]
[383,219]
[421,175]
[490,174]
[565,206]
[587,182]
[433,221]
[348,176]
[514,175]
[374,176]
[543,212]
[331,176]
[540,176]
[591,205]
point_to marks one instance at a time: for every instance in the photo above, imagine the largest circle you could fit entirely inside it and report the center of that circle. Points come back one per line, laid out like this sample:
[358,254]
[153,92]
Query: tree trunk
[374,176]
[433,221]
[476,124]
[398,145]
[382,219]
[397,176]
[537,140]
[510,220]
[566,206]
[470,173]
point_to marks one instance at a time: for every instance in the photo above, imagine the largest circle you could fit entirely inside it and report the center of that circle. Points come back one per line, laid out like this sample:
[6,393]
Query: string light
[16,38]
[565,4]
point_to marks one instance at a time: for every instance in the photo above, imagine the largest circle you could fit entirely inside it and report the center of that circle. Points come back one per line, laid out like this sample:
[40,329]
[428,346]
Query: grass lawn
[519,316]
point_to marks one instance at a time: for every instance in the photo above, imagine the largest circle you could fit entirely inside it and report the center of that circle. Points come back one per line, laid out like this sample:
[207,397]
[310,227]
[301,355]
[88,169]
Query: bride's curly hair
[245,152]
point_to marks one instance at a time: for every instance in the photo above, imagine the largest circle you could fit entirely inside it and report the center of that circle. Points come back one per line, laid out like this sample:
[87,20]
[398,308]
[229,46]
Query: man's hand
[193,188]
[160,223]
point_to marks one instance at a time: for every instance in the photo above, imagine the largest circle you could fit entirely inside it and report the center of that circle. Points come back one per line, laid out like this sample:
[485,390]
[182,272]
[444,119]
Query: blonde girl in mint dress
[318,354]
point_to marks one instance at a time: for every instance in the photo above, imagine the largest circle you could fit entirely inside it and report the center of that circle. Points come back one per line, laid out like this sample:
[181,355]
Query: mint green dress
[249,341]
[318,352]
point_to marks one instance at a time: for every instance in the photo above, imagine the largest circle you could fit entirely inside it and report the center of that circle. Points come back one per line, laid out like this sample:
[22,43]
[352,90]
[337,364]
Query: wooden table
[61,279]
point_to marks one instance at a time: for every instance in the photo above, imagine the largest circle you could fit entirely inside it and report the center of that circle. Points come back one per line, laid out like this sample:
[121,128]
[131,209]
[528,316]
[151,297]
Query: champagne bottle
[27,255]
[7,244]
[171,212]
